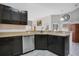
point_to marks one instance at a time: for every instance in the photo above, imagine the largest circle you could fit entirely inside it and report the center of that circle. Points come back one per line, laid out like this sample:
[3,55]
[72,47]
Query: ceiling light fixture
[62,19]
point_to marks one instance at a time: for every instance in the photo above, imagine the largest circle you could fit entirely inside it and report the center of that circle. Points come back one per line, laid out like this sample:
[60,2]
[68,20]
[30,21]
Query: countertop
[10,34]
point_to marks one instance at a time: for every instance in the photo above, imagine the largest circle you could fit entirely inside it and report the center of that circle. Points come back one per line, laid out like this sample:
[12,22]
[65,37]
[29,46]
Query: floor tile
[40,53]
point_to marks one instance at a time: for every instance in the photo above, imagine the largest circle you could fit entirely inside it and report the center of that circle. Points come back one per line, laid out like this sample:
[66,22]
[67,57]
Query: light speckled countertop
[10,34]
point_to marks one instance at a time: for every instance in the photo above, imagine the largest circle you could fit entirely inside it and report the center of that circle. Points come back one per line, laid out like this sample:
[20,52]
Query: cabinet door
[1,11]
[23,17]
[10,46]
[17,45]
[6,16]
[51,43]
[15,15]
[59,49]
[56,44]
[5,47]
[37,42]
[41,41]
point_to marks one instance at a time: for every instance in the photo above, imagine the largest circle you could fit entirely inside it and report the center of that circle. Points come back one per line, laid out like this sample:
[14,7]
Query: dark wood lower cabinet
[59,45]
[17,46]
[51,43]
[56,44]
[5,49]
[10,46]
[41,42]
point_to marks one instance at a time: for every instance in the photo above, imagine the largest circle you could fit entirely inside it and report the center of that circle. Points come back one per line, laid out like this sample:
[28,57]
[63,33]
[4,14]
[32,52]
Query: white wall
[56,20]
[45,21]
[74,16]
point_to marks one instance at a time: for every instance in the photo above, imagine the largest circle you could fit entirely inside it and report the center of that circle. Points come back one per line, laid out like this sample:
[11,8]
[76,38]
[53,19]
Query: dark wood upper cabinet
[1,10]
[15,14]
[6,14]
[75,32]
[23,17]
[9,15]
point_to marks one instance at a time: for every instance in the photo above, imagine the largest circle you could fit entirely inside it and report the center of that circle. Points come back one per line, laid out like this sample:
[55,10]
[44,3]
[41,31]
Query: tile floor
[40,53]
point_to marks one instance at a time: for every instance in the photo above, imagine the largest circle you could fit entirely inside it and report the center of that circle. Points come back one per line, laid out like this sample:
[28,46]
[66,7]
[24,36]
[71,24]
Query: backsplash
[12,28]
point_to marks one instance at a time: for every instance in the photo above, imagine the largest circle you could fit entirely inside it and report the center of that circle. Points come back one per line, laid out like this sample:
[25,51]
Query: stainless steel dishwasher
[28,43]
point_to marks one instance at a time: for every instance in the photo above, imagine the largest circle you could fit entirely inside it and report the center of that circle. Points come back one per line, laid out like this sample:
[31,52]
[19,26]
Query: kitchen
[22,31]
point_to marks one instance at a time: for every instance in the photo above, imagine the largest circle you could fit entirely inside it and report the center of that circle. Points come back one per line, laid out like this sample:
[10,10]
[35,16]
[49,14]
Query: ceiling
[39,10]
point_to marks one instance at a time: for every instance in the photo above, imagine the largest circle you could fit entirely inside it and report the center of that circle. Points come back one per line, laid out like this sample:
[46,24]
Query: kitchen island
[56,42]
